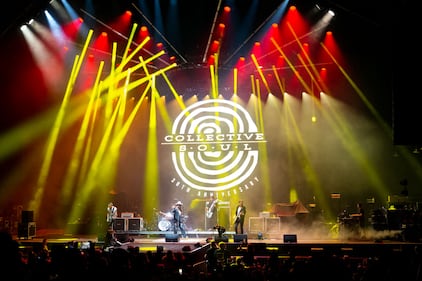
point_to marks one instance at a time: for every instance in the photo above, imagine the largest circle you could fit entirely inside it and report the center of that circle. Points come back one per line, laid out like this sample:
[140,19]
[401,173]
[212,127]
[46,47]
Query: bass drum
[164,225]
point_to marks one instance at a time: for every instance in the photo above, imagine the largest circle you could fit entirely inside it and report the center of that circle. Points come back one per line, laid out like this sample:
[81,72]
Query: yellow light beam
[214,92]
[277,77]
[129,41]
[151,181]
[88,146]
[312,65]
[137,49]
[258,68]
[52,140]
[92,180]
[291,65]
[75,159]
[235,77]
[253,85]
[112,86]
[385,126]
[177,97]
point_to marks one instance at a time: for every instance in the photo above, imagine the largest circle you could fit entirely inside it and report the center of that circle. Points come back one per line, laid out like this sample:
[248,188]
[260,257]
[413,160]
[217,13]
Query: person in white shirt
[111,215]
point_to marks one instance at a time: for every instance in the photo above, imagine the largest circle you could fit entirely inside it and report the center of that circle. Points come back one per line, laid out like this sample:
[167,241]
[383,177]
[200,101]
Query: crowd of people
[70,262]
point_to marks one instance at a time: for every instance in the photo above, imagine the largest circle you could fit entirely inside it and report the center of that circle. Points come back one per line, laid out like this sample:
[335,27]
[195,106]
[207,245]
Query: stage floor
[153,240]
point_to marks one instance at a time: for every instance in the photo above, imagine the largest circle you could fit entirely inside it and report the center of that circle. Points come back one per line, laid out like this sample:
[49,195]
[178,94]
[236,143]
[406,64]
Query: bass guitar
[210,210]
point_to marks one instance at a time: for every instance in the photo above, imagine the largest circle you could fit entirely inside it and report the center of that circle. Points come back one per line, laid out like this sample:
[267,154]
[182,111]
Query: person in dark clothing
[359,220]
[211,212]
[361,215]
[210,257]
[178,219]
[239,219]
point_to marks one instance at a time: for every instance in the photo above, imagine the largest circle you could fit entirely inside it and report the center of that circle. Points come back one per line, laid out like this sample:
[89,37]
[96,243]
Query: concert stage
[388,257]
[284,244]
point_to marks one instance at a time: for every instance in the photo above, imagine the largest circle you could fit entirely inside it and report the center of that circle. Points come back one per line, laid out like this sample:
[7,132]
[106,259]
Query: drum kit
[165,222]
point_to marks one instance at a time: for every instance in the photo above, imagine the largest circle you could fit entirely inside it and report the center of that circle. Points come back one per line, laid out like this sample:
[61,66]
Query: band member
[178,218]
[211,212]
[360,216]
[111,215]
[239,219]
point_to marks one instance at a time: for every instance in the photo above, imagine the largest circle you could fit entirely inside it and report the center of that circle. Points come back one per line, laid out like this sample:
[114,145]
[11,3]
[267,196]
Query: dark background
[391,28]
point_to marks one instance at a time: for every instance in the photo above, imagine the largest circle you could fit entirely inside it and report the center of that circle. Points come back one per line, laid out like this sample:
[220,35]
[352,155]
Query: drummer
[165,222]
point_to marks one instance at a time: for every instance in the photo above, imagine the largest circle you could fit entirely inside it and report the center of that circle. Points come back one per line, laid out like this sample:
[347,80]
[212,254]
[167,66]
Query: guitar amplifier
[119,224]
[256,224]
[135,224]
[272,225]
[26,230]
[126,215]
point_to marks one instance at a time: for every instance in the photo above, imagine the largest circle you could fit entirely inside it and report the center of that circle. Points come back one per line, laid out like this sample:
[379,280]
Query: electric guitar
[237,217]
[210,210]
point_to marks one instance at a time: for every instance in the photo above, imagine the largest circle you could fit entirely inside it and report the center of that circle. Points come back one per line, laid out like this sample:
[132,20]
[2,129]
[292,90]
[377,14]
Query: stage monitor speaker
[240,238]
[119,224]
[289,238]
[222,238]
[27,216]
[172,237]
[122,237]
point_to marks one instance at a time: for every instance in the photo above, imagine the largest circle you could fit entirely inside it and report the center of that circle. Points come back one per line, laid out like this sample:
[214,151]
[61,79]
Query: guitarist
[239,219]
[211,212]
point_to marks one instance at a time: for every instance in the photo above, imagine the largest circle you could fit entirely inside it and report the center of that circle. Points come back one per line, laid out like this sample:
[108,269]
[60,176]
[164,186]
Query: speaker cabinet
[172,237]
[256,224]
[272,225]
[26,230]
[122,237]
[289,238]
[135,224]
[222,238]
[126,215]
[119,224]
[27,216]
[258,249]
[240,238]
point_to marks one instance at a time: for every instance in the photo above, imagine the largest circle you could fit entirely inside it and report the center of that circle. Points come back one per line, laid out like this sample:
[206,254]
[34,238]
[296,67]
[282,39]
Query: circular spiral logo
[215,145]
